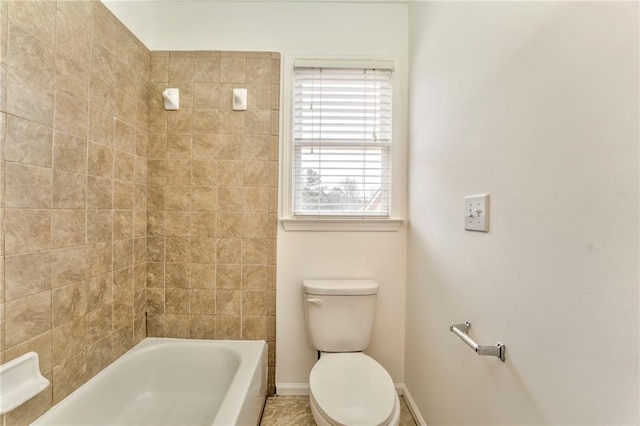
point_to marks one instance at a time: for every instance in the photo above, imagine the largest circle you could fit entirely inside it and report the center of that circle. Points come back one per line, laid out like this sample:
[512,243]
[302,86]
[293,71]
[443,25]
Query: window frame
[397,197]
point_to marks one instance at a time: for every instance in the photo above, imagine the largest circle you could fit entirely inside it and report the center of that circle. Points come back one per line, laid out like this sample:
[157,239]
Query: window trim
[398,170]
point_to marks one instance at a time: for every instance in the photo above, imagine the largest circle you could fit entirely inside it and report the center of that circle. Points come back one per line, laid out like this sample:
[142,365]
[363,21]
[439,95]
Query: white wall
[535,103]
[308,28]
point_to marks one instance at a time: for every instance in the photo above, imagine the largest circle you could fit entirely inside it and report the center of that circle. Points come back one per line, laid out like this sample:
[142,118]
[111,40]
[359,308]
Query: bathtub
[165,381]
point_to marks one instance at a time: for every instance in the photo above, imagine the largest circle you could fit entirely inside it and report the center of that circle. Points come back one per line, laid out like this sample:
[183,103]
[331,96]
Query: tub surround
[73,129]
[78,100]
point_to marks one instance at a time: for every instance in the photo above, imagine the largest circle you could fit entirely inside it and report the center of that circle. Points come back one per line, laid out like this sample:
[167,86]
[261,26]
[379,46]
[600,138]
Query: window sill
[341,224]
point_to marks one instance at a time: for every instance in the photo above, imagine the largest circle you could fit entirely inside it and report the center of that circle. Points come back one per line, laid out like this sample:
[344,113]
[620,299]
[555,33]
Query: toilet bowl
[349,389]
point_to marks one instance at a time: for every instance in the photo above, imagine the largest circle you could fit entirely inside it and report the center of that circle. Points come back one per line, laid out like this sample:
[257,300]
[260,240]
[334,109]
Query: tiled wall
[74,133]
[212,197]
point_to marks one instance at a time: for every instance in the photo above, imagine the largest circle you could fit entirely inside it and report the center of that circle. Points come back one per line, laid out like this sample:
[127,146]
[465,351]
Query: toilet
[348,387]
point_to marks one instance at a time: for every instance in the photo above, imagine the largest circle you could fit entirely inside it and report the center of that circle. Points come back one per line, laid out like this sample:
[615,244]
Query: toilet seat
[352,389]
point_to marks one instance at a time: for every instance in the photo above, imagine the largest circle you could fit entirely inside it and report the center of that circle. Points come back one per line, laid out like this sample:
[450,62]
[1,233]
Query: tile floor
[295,411]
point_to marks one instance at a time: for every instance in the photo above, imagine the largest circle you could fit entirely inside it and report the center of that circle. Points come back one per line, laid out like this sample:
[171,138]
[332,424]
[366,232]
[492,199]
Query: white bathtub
[172,382]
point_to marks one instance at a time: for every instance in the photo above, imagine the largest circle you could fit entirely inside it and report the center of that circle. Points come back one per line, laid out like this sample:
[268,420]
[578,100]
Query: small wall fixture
[171,99]
[239,99]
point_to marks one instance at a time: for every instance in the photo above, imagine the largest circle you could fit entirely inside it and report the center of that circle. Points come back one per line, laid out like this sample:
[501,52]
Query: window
[342,133]
[341,138]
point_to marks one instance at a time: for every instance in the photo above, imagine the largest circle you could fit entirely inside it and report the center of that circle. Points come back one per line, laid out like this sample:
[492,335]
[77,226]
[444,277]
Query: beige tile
[229,225]
[232,122]
[177,249]
[123,166]
[99,356]
[177,325]
[27,318]
[258,226]
[71,78]
[124,137]
[27,274]
[259,96]
[157,172]
[203,225]
[140,250]
[228,277]
[255,303]
[232,69]
[41,345]
[255,251]
[257,122]
[180,122]
[181,68]
[140,168]
[257,277]
[68,266]
[99,193]
[230,198]
[31,56]
[258,70]
[69,376]
[123,311]
[231,147]
[159,71]
[123,282]
[122,254]
[205,147]
[202,275]
[256,173]
[203,198]
[204,172]
[69,153]
[27,230]
[179,146]
[72,37]
[155,300]
[38,18]
[28,142]
[178,224]
[122,195]
[98,259]
[99,324]
[156,249]
[202,326]
[177,275]
[206,121]
[102,96]
[99,292]
[230,173]
[228,327]
[140,328]
[68,302]
[71,115]
[256,199]
[202,301]
[287,410]
[68,228]
[207,95]
[155,197]
[155,325]
[27,186]
[69,190]
[254,328]
[28,99]
[155,275]
[140,223]
[101,127]
[203,250]
[178,197]
[100,160]
[176,301]
[228,302]
[257,148]
[126,107]
[99,226]
[228,250]
[207,67]
[178,172]
[122,224]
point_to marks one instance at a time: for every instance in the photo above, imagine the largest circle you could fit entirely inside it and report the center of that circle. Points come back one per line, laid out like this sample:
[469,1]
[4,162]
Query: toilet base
[322,421]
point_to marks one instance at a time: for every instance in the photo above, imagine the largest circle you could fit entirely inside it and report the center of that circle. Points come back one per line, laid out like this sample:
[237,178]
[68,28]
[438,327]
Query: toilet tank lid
[340,287]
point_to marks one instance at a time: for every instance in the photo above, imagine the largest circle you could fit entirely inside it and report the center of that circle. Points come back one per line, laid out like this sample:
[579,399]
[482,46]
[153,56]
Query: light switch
[476,210]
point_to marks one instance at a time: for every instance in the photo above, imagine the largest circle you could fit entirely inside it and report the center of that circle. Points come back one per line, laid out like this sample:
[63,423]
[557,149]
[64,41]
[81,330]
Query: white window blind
[342,138]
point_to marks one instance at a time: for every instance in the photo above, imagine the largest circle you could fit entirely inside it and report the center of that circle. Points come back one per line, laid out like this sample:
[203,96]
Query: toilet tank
[340,313]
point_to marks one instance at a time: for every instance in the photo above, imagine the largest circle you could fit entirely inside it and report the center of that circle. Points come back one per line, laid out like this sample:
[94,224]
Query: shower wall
[213,197]
[73,129]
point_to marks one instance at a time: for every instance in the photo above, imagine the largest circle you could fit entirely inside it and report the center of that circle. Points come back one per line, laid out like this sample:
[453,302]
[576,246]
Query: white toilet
[348,388]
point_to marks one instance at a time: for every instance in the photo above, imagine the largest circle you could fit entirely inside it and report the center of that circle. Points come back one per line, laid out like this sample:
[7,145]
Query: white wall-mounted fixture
[20,380]
[476,209]
[239,99]
[171,99]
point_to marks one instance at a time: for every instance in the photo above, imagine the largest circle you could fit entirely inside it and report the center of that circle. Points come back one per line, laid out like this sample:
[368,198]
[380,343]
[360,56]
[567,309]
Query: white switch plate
[476,211]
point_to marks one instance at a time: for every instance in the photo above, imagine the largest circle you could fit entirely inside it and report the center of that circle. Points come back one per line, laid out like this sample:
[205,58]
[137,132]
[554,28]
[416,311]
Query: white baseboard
[417,416]
[292,388]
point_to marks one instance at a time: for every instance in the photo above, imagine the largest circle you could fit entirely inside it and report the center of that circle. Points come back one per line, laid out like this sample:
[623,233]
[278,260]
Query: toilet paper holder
[462,331]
